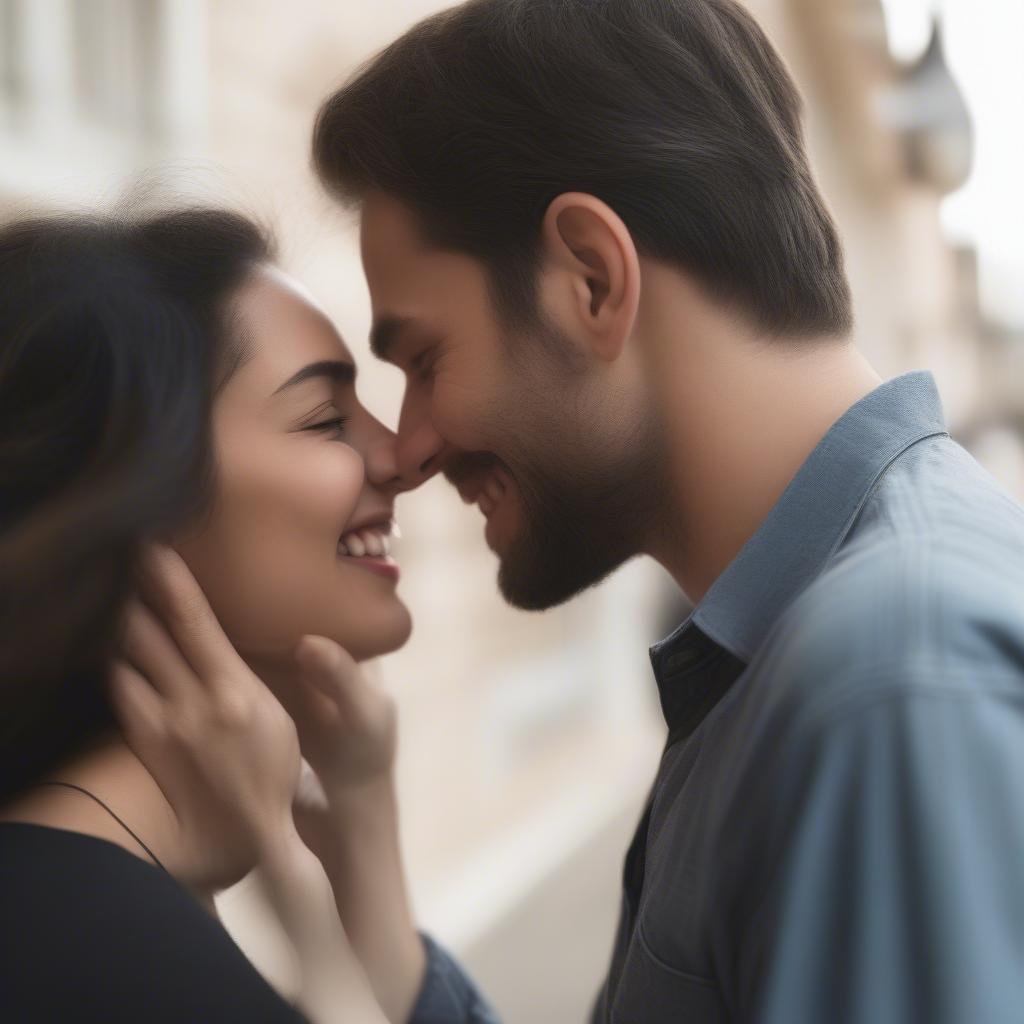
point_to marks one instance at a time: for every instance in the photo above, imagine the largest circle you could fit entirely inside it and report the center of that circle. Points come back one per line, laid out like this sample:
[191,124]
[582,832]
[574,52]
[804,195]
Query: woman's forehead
[284,321]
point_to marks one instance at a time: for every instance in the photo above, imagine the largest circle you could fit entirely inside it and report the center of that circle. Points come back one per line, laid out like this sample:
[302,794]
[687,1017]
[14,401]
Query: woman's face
[306,480]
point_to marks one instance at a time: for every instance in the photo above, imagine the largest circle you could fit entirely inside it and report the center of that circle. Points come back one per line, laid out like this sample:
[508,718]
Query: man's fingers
[172,591]
[152,652]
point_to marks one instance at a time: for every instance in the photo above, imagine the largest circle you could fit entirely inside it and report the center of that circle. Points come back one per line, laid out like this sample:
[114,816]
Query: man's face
[564,475]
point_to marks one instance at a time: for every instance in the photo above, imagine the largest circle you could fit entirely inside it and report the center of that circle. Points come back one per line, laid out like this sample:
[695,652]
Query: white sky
[983,45]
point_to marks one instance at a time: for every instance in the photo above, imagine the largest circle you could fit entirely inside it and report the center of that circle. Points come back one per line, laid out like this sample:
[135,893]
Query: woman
[159,379]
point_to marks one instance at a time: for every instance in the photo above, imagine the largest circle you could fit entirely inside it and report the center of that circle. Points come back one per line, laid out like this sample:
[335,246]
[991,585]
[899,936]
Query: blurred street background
[528,741]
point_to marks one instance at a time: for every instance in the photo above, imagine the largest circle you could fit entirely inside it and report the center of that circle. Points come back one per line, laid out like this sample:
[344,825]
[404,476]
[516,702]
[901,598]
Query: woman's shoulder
[51,875]
[91,932]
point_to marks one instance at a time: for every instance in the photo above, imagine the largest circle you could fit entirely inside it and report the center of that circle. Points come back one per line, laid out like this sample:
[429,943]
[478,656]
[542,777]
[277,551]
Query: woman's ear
[596,272]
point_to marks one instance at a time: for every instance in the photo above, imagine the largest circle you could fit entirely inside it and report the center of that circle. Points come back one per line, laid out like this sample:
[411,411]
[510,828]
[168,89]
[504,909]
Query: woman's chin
[377,631]
[380,638]
[374,635]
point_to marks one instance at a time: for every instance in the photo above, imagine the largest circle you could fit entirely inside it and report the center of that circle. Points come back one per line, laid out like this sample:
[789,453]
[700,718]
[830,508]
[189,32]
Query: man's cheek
[463,420]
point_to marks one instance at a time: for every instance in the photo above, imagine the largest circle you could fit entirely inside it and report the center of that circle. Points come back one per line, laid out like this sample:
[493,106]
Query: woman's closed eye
[326,419]
[334,427]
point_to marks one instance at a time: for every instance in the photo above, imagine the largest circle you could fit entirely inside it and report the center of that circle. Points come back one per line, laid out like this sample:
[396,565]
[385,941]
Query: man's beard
[579,521]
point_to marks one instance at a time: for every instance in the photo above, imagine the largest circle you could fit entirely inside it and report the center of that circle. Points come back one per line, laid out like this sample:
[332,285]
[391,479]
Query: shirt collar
[812,518]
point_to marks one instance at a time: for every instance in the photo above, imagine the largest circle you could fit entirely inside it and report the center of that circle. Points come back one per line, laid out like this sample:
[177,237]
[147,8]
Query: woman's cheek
[343,478]
[267,557]
[294,556]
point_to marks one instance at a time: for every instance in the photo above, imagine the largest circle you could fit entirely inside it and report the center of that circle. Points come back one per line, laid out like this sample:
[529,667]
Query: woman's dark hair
[115,334]
[679,114]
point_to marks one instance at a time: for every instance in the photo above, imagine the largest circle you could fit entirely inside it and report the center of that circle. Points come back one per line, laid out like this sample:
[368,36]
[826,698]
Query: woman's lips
[372,541]
[386,566]
[369,548]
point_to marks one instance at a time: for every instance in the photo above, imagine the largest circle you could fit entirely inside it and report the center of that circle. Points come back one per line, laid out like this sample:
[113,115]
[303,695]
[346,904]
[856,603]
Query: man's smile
[490,489]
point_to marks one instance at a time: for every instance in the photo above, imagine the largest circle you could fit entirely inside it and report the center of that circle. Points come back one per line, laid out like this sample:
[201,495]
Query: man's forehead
[415,288]
[387,227]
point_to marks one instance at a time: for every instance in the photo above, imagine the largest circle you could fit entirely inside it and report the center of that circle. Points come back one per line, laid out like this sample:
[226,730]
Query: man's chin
[535,584]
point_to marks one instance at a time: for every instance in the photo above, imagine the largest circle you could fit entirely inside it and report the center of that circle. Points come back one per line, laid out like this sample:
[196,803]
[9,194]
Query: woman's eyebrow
[334,369]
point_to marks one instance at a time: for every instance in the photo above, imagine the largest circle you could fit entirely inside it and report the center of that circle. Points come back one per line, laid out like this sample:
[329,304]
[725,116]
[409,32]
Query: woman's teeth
[363,543]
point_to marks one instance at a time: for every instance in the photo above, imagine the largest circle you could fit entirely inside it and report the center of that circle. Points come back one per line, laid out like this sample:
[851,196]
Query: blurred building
[527,741]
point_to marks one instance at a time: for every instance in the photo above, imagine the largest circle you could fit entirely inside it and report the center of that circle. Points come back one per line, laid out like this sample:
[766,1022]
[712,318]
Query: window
[93,90]
[116,64]
[10,67]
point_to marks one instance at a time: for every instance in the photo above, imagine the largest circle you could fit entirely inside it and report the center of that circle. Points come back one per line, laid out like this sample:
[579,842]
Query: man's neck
[742,414]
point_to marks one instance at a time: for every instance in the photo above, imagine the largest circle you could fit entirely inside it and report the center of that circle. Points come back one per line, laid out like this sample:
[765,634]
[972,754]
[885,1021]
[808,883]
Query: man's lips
[483,480]
[466,472]
[486,490]
[491,493]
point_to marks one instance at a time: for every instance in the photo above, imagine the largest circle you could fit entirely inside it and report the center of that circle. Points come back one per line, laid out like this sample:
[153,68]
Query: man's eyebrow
[384,334]
[334,369]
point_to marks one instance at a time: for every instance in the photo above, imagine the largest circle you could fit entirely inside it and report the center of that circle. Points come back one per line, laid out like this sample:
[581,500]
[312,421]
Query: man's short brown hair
[679,114]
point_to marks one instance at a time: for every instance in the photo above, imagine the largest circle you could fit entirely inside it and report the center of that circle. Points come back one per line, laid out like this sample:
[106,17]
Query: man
[595,248]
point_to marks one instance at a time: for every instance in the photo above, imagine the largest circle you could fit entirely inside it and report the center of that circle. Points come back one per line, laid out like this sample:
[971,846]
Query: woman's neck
[111,772]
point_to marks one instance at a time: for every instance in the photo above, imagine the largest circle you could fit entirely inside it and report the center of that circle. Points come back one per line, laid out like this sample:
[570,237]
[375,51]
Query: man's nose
[403,461]
[419,451]
[380,456]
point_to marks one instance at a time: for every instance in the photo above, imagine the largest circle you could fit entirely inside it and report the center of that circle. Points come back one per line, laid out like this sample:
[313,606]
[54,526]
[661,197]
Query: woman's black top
[89,932]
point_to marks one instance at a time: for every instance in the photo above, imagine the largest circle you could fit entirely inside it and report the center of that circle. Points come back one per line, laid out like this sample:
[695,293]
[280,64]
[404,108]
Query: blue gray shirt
[836,831]
[448,995]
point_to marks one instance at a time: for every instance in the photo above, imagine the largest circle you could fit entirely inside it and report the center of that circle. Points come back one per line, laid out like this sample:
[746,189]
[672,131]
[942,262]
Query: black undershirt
[89,932]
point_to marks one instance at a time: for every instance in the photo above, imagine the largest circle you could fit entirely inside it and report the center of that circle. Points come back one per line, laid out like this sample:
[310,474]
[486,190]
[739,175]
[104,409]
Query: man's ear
[596,271]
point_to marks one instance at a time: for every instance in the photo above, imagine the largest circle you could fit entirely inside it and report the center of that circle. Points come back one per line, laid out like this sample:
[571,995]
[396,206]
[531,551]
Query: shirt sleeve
[893,889]
[448,995]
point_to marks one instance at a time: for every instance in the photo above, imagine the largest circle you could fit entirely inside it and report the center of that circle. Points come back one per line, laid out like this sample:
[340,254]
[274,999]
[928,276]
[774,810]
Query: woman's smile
[369,547]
